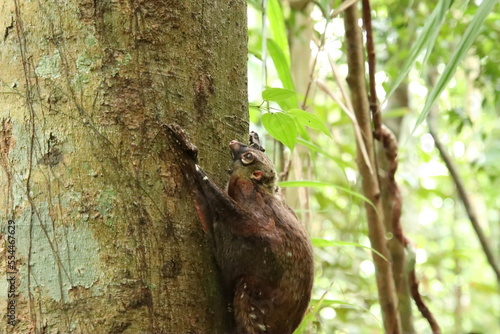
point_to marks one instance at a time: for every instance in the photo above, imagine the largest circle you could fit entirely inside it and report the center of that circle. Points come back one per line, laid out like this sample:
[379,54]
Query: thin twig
[340,82]
[352,117]
[313,67]
[424,310]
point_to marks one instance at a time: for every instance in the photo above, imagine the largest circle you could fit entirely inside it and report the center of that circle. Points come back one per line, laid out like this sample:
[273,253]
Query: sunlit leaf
[282,127]
[440,12]
[254,114]
[278,29]
[277,94]
[283,70]
[465,43]
[281,64]
[256,53]
[308,119]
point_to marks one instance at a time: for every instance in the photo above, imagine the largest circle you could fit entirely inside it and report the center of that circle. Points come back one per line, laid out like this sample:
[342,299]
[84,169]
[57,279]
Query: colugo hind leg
[253,304]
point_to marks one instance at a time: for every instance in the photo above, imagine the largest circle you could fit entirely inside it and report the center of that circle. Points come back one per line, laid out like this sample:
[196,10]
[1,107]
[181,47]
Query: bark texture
[107,239]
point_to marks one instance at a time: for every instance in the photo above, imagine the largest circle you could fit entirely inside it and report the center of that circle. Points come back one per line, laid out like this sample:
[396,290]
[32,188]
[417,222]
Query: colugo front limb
[205,191]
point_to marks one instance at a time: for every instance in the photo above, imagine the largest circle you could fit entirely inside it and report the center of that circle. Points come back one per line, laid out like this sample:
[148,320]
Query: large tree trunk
[106,236]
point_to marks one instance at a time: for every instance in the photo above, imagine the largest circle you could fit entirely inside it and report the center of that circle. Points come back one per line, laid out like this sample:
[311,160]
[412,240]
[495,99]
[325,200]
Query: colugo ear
[257,175]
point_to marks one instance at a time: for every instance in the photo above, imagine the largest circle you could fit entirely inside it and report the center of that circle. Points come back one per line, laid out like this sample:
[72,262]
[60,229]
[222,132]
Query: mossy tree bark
[107,239]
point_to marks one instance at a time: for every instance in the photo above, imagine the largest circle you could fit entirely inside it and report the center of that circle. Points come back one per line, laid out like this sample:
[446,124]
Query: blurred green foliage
[453,43]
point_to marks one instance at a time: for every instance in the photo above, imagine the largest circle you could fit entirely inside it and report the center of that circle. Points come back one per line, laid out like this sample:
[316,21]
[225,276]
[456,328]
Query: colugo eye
[247,158]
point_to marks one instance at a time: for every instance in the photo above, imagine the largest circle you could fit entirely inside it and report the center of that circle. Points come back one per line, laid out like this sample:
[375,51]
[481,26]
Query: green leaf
[282,67]
[315,307]
[440,12]
[465,43]
[320,243]
[277,94]
[317,304]
[308,119]
[278,29]
[282,127]
[425,40]
[256,53]
[254,114]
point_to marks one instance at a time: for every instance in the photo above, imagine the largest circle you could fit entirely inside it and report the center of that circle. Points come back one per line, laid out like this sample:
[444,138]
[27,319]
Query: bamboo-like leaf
[278,29]
[284,74]
[282,127]
[441,10]
[281,64]
[312,313]
[465,43]
[318,242]
[425,40]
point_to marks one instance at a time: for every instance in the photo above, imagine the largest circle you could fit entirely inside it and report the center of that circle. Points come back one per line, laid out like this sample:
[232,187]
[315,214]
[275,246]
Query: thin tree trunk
[391,202]
[357,84]
[106,236]
[396,248]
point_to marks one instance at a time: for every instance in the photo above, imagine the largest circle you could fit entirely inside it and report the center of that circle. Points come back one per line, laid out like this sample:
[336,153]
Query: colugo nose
[234,145]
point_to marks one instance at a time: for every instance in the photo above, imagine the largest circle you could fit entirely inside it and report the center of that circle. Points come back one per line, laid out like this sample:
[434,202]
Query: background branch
[464,196]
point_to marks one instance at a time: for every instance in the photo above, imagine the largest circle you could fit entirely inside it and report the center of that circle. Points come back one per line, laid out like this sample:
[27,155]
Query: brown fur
[263,251]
